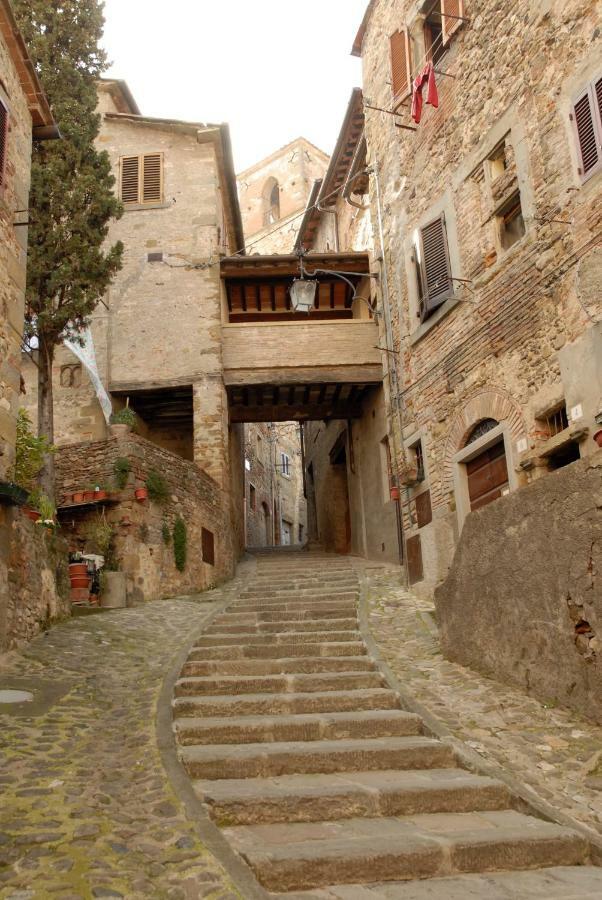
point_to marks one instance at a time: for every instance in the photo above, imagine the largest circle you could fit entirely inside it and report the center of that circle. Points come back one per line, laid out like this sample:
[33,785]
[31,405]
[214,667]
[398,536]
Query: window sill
[138,207]
[424,328]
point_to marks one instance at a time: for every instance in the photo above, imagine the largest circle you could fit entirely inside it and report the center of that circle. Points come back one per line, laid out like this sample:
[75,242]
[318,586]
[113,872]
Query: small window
[557,420]
[141,179]
[208,546]
[433,34]
[498,161]
[511,223]
[285,464]
[252,497]
[3,143]
[586,117]
[271,202]
[300,534]
[419,459]
[433,271]
[71,376]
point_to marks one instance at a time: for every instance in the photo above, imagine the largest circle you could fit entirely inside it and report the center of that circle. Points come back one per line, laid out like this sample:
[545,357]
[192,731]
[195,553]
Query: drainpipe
[391,367]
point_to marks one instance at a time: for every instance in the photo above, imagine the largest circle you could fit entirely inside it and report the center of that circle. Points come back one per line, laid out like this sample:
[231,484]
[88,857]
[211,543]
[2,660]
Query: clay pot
[598,437]
[89,495]
[78,569]
[141,494]
[80,581]
[77,496]
[119,431]
[394,492]
[100,495]
[32,514]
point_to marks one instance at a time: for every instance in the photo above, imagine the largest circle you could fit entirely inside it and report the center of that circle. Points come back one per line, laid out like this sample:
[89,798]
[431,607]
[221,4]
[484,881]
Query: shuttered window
[433,269]
[142,178]
[449,25]
[587,121]
[3,143]
[401,65]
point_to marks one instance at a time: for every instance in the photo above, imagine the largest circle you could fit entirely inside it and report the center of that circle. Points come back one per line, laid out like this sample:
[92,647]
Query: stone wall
[523,600]
[495,348]
[34,583]
[140,549]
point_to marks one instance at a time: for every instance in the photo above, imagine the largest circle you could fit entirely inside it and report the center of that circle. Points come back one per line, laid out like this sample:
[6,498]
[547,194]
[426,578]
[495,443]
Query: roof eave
[37,102]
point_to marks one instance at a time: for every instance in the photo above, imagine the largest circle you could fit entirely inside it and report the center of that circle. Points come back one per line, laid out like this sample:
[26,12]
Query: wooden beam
[365,374]
[285,413]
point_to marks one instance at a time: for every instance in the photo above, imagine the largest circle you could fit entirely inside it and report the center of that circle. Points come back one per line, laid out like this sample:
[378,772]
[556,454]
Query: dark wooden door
[487,475]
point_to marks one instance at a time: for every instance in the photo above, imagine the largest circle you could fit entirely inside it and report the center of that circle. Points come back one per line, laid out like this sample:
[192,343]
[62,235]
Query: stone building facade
[275,504]
[273,195]
[491,261]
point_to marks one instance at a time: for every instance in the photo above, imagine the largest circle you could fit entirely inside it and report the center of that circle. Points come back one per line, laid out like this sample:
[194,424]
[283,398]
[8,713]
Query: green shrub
[125,416]
[179,544]
[121,469]
[157,487]
[30,452]
[165,533]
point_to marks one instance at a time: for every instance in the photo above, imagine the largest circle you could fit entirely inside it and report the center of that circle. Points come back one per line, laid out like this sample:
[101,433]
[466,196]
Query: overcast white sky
[272,69]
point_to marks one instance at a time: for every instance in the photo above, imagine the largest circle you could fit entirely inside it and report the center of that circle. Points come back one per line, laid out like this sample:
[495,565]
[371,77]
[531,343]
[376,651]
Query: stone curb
[527,801]
[242,877]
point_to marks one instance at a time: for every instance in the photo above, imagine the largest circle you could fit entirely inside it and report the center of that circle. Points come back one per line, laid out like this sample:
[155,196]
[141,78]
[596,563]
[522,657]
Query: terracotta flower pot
[598,437]
[78,569]
[80,581]
[77,496]
[394,492]
[141,494]
[119,431]
[100,495]
[32,514]
[89,495]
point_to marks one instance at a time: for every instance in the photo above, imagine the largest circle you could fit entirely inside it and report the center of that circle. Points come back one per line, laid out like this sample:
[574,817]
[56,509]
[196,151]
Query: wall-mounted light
[303,294]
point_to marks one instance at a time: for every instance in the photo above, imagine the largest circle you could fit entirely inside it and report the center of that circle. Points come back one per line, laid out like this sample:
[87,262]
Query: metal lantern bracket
[343,277]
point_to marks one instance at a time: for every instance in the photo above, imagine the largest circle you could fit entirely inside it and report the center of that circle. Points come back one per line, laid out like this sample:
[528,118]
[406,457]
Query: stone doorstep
[286,704]
[278,651]
[316,798]
[296,856]
[558,883]
[308,727]
[298,757]
[287,626]
[282,637]
[198,666]
[286,684]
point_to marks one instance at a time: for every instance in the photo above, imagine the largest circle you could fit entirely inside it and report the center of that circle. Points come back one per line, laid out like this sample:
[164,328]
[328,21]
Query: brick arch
[488,404]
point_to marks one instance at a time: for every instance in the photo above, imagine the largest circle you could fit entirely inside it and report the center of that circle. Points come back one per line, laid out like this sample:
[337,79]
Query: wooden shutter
[130,179]
[3,142]
[207,546]
[587,119]
[401,65]
[436,272]
[449,26]
[152,178]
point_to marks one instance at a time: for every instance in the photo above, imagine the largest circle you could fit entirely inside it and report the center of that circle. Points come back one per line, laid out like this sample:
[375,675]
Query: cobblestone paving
[86,807]
[554,751]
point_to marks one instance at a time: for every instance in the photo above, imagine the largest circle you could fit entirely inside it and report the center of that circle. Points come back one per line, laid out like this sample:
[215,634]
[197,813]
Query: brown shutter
[152,191]
[401,65]
[130,179]
[436,271]
[584,117]
[449,26]
[3,142]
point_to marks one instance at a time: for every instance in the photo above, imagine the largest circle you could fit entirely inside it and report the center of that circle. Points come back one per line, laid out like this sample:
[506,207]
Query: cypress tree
[71,201]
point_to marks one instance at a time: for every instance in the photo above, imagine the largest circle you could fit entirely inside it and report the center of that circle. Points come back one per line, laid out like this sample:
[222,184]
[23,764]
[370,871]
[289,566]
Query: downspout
[391,367]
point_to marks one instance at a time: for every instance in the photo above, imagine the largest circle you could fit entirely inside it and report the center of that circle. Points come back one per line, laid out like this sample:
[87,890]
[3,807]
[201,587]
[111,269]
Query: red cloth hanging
[432,97]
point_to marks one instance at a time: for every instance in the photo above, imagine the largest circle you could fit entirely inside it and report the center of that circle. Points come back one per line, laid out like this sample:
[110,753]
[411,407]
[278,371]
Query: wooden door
[487,475]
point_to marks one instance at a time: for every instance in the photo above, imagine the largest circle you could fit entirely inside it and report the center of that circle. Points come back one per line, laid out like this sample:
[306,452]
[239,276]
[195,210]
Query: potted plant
[394,492]
[157,487]
[141,494]
[77,496]
[32,506]
[122,422]
[408,474]
[89,492]
[121,471]
[46,512]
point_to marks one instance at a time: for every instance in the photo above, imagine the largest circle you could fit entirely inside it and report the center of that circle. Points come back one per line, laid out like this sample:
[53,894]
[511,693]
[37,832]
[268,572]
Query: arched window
[480,429]
[271,202]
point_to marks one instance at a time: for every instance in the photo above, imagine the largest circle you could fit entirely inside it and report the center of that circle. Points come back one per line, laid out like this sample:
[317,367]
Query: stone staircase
[323,784]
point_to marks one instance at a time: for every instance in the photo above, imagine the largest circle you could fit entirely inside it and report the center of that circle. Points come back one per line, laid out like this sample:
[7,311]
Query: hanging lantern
[303,295]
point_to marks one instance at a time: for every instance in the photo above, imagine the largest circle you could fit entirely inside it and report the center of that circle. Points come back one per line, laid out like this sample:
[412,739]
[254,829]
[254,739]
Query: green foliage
[46,508]
[30,452]
[180,540]
[125,416]
[157,487]
[121,469]
[165,533]
[101,534]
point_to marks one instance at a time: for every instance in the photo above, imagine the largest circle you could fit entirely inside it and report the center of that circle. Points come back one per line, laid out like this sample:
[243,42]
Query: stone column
[211,451]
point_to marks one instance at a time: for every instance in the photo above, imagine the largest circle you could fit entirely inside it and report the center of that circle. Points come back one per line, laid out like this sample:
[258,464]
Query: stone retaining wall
[523,600]
[140,547]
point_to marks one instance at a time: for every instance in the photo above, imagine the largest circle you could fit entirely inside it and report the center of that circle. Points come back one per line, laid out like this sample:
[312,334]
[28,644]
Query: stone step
[288,684]
[313,608]
[284,625]
[282,637]
[314,798]
[303,590]
[307,727]
[298,614]
[310,578]
[197,665]
[286,704]
[275,650]
[298,856]
[550,883]
[317,596]
[304,757]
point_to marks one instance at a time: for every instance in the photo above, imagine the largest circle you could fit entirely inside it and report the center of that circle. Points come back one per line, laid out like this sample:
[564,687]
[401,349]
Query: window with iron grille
[141,179]
[586,117]
[557,420]
[285,465]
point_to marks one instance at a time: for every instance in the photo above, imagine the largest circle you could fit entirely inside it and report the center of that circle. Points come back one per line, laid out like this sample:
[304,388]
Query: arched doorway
[487,472]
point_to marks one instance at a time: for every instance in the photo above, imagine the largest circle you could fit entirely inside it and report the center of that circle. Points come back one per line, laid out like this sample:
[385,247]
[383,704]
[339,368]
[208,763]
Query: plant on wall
[157,487]
[101,533]
[125,416]
[179,543]
[121,469]
[30,452]
[165,533]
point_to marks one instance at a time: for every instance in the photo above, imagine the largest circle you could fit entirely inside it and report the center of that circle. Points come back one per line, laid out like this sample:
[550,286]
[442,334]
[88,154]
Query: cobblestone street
[87,808]
[555,752]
